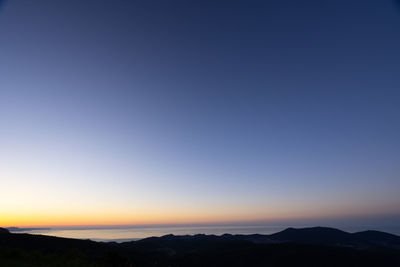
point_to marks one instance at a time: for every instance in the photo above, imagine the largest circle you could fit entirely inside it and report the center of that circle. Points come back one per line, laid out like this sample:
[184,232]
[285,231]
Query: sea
[133,233]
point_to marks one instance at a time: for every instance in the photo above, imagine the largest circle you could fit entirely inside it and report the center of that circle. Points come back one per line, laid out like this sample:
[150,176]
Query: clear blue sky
[199,111]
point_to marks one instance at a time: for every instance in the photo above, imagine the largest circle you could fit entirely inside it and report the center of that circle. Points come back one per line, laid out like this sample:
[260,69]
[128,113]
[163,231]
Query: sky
[173,112]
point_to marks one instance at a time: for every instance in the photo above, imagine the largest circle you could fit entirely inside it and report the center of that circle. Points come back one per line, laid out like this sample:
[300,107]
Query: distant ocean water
[131,233]
[122,234]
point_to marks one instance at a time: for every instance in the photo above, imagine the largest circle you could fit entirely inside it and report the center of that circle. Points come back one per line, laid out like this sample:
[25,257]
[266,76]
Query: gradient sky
[136,112]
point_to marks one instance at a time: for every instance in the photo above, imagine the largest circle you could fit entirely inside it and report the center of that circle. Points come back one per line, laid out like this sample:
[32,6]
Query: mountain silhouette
[4,231]
[315,246]
[313,235]
[332,236]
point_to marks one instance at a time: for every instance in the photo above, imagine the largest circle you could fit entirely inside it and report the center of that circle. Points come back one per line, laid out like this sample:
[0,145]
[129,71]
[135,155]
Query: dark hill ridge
[4,231]
[316,246]
[312,235]
[331,236]
[320,235]
[376,235]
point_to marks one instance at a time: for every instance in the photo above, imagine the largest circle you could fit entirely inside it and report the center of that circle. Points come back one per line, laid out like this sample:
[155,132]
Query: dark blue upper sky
[240,110]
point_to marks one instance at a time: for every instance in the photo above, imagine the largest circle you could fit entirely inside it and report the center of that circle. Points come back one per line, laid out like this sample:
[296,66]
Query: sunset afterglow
[131,113]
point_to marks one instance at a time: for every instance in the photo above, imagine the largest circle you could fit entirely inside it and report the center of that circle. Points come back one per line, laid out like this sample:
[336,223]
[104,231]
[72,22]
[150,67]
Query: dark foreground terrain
[316,246]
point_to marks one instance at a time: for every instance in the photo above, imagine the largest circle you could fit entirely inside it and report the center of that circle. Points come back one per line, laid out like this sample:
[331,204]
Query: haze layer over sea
[129,233]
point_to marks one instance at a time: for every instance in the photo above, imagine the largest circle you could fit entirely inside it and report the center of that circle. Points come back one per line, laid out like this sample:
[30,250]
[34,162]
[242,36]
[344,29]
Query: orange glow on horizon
[81,220]
[59,220]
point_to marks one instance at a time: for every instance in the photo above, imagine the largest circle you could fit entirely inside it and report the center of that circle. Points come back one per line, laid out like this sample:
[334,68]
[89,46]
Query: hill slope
[292,247]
